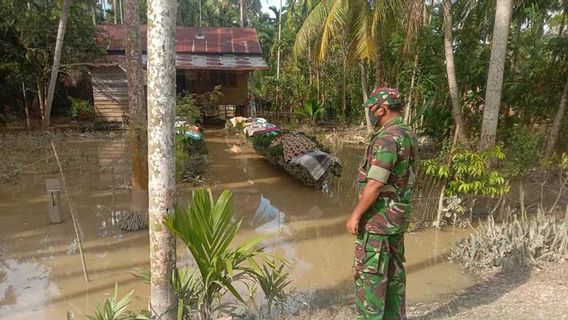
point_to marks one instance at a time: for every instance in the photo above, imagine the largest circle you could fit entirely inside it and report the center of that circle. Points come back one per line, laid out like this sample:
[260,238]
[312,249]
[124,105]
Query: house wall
[203,81]
[110,94]
[110,90]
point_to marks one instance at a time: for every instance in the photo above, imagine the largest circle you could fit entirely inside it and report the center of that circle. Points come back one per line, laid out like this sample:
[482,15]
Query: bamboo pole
[75,225]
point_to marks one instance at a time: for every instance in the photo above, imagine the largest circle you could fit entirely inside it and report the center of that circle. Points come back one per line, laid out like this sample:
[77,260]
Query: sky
[267,3]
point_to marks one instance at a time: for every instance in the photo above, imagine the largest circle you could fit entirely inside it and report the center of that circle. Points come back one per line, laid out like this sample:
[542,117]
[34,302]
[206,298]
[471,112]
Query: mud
[40,267]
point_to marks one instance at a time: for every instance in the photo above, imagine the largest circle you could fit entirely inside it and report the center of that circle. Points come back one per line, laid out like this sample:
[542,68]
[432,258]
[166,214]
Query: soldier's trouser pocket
[371,278]
[371,254]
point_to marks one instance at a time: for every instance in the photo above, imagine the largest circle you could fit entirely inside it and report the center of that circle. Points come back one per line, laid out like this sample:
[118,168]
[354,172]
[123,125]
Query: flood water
[40,268]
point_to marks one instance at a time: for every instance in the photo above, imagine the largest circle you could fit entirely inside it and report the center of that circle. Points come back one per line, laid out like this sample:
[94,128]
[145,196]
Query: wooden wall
[110,94]
[110,91]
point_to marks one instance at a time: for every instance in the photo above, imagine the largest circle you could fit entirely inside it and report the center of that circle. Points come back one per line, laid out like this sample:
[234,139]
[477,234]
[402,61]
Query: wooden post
[54,200]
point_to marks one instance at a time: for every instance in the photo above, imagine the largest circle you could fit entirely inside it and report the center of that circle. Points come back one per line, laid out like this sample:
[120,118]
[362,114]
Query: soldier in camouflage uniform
[381,216]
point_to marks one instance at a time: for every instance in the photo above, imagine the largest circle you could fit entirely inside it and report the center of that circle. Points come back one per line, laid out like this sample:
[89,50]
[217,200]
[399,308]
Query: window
[224,78]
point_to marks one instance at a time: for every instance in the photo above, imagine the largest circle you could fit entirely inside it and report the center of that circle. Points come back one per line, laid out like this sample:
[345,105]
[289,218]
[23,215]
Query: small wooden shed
[205,58]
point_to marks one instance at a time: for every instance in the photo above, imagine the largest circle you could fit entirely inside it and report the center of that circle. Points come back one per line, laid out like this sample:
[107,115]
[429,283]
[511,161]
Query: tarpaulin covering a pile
[295,152]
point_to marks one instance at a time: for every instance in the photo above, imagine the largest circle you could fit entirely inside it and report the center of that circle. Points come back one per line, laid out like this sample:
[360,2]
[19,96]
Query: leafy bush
[311,110]
[273,280]
[469,172]
[208,229]
[187,108]
[262,143]
[191,163]
[523,148]
[112,308]
[81,110]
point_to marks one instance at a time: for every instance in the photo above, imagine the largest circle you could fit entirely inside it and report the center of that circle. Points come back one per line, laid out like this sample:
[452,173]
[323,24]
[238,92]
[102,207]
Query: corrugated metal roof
[190,61]
[210,39]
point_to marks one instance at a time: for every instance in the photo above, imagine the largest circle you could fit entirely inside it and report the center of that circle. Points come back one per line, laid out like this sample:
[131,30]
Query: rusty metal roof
[209,40]
[190,61]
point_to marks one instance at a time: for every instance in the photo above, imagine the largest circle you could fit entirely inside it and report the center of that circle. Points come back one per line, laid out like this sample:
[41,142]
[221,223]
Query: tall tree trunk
[26,106]
[161,161]
[242,12]
[115,11]
[122,12]
[279,38]
[136,109]
[407,108]
[451,72]
[344,87]
[41,97]
[555,129]
[94,13]
[495,73]
[56,60]
[379,69]
[364,88]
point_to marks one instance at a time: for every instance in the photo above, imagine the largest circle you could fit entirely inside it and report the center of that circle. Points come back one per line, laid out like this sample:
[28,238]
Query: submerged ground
[40,269]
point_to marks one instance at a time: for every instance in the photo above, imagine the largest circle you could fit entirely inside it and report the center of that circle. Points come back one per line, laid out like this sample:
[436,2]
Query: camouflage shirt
[390,158]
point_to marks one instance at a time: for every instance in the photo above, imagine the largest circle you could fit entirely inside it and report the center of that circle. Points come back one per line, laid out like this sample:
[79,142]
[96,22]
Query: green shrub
[311,110]
[112,308]
[191,161]
[523,149]
[81,110]
[187,108]
[469,172]
[208,229]
[273,280]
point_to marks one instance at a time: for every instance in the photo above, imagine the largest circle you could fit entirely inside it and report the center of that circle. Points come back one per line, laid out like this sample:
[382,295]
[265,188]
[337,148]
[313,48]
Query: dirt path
[508,294]
[518,294]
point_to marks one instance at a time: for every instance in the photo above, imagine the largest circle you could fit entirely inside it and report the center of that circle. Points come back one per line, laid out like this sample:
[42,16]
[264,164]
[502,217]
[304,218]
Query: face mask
[373,118]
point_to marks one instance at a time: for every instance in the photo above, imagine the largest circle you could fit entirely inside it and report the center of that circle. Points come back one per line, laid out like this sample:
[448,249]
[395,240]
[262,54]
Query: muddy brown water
[40,269]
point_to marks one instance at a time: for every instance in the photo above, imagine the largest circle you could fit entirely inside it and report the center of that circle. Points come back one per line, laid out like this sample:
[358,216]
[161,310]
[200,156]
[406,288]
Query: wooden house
[205,58]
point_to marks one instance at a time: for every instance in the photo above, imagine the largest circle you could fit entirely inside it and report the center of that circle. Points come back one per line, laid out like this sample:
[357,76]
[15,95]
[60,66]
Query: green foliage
[28,31]
[81,110]
[187,108]
[188,289]
[469,172]
[311,110]
[208,229]
[273,280]
[523,148]
[262,143]
[112,308]
[190,157]
[564,162]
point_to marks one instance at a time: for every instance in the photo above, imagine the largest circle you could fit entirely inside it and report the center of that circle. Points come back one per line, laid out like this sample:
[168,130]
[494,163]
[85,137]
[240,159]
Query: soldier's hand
[352,225]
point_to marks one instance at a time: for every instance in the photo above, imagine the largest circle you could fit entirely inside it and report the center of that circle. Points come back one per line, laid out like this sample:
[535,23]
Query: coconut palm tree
[360,26]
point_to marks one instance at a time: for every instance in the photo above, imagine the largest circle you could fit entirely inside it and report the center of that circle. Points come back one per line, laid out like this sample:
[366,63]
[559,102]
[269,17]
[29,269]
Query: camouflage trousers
[380,279]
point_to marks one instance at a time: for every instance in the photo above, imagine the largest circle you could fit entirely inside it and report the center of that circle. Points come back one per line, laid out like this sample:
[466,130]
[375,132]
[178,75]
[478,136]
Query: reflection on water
[40,269]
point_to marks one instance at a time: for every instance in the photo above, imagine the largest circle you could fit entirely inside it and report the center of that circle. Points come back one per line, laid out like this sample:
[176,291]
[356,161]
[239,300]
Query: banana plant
[208,229]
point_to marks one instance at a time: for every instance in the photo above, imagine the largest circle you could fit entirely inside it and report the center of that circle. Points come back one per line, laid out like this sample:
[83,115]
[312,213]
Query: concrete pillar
[53,187]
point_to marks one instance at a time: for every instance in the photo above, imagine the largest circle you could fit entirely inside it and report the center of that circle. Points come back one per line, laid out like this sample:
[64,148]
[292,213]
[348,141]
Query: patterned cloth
[293,145]
[265,131]
[380,279]
[383,96]
[390,158]
[316,161]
